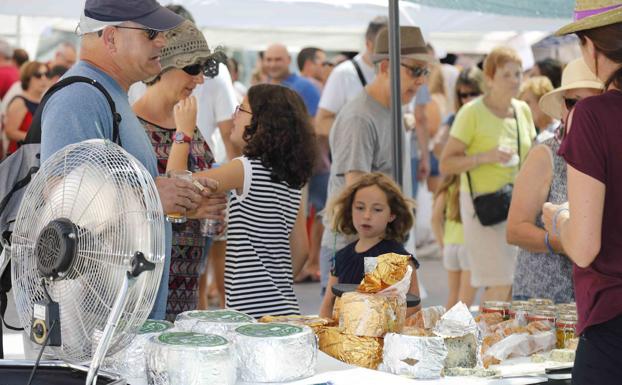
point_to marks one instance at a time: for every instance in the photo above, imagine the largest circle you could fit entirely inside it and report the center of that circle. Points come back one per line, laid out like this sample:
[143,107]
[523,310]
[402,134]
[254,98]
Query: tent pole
[396,103]
[18,40]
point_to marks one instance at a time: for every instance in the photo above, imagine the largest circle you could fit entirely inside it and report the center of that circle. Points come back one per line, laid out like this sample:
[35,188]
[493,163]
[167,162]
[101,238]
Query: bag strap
[518,149]
[34,132]
[359,72]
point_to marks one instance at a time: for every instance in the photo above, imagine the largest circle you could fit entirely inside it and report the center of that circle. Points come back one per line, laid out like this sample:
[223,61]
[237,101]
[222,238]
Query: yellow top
[480,130]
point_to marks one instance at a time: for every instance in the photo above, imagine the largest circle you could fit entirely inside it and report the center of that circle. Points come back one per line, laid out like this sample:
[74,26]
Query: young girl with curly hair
[273,130]
[374,209]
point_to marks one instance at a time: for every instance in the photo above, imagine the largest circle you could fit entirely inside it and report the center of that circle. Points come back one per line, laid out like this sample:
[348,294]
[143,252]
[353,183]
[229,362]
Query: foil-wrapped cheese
[417,357]
[314,322]
[337,309]
[371,315]
[360,351]
[188,358]
[275,352]
[219,322]
[130,362]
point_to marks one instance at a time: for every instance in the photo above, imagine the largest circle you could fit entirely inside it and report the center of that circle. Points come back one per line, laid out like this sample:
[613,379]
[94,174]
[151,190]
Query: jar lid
[496,305]
[540,301]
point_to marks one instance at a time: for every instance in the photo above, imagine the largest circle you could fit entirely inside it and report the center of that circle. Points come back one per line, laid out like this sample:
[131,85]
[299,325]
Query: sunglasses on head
[570,103]
[209,68]
[464,95]
[416,72]
[151,33]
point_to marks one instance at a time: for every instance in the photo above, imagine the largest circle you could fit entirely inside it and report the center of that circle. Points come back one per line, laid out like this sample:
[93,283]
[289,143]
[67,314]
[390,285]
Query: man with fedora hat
[361,137]
[121,44]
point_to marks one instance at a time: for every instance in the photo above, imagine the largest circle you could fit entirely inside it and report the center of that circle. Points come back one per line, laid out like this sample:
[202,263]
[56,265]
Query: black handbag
[493,208]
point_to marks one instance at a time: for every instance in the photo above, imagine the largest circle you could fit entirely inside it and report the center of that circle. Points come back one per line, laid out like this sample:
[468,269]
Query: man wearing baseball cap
[120,45]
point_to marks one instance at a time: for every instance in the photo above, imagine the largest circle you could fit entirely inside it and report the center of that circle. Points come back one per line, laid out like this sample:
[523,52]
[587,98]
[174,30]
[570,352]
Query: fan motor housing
[56,247]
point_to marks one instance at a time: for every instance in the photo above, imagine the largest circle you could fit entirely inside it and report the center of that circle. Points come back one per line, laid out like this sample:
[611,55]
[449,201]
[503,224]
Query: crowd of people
[522,163]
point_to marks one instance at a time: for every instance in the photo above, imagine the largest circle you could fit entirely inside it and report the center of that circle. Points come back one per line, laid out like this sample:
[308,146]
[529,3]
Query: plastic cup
[179,174]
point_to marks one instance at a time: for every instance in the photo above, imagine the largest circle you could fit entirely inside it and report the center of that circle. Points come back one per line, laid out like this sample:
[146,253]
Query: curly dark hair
[340,209]
[280,134]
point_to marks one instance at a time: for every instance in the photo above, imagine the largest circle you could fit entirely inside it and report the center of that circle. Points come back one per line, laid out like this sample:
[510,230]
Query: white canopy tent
[331,24]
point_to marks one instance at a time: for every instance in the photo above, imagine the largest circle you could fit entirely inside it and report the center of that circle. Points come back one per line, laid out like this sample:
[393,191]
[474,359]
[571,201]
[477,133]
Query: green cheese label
[225,316]
[152,326]
[269,330]
[192,339]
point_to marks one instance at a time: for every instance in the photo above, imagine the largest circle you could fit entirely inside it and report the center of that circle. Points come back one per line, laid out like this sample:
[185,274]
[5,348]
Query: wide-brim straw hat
[590,14]
[576,75]
[412,45]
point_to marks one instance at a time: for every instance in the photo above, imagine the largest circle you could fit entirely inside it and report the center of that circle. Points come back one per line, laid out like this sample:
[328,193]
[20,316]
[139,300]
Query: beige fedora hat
[576,75]
[590,14]
[412,45]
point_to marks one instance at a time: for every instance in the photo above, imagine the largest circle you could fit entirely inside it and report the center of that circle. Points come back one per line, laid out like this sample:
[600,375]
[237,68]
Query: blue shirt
[309,93]
[79,112]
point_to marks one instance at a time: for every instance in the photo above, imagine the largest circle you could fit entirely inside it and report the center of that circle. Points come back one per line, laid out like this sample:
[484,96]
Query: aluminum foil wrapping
[457,322]
[360,351]
[219,322]
[417,357]
[189,358]
[314,322]
[275,352]
[371,315]
[130,362]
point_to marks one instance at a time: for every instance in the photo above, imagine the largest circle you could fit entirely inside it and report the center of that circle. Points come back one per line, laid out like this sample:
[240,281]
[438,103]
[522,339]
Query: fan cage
[113,201]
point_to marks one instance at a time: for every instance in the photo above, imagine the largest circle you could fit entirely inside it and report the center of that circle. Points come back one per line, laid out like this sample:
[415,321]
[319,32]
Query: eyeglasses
[570,103]
[416,72]
[39,75]
[151,33]
[209,68]
[465,95]
[239,109]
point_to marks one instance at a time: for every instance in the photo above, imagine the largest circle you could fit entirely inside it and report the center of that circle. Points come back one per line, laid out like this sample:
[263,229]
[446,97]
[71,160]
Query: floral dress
[187,255]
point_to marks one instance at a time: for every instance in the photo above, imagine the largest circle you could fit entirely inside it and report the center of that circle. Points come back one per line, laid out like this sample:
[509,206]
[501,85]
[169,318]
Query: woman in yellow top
[484,145]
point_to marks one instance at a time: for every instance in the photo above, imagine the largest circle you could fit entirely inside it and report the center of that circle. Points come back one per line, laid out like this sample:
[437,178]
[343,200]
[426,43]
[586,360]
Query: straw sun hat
[590,14]
[575,75]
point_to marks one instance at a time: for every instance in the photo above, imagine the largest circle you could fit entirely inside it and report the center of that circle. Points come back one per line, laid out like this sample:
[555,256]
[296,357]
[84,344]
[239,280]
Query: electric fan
[89,224]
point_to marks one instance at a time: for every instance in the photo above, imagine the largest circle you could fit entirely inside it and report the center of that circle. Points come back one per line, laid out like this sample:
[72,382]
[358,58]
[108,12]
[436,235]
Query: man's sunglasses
[468,95]
[570,103]
[151,33]
[209,68]
[416,72]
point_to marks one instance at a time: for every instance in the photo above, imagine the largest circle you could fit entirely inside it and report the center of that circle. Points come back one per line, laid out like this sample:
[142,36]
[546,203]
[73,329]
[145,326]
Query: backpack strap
[359,72]
[34,132]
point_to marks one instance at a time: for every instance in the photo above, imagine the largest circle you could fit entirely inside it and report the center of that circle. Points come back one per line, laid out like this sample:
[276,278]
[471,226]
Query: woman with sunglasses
[543,269]
[20,110]
[590,223]
[489,140]
[168,112]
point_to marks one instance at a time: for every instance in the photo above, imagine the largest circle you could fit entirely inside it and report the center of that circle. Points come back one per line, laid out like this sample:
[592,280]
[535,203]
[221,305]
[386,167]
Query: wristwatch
[180,137]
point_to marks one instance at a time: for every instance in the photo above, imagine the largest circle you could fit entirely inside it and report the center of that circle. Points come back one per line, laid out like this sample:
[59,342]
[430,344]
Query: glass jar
[567,308]
[542,315]
[566,326]
[500,307]
[540,301]
[518,309]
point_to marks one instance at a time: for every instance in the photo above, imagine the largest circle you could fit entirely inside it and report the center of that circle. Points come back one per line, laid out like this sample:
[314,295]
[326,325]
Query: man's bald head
[65,55]
[276,61]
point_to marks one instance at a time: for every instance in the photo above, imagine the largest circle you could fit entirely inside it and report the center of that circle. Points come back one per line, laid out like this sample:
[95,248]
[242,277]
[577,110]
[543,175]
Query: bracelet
[548,243]
[559,211]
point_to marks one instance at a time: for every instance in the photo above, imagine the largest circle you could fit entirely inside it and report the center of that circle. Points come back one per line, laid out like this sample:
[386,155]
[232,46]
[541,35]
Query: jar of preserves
[542,315]
[567,308]
[540,301]
[500,307]
[519,308]
[566,326]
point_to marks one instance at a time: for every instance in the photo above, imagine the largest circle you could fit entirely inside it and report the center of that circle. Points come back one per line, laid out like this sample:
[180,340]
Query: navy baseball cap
[149,13]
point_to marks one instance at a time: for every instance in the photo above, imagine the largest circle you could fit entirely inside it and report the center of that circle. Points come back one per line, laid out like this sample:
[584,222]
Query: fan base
[50,373]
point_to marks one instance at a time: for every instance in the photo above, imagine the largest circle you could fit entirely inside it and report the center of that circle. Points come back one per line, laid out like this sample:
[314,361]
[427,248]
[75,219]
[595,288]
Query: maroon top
[593,147]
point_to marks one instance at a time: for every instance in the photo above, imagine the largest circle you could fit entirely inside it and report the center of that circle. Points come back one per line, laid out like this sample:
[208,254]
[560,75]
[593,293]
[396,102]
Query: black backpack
[16,172]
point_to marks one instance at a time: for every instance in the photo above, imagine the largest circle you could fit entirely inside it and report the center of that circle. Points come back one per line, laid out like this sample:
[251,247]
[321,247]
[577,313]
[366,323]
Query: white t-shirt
[344,84]
[216,103]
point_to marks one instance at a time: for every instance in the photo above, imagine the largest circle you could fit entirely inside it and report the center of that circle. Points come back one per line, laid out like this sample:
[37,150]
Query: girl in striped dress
[266,238]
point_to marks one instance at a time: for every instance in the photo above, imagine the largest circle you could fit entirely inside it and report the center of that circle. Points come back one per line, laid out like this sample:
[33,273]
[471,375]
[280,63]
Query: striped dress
[258,266]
